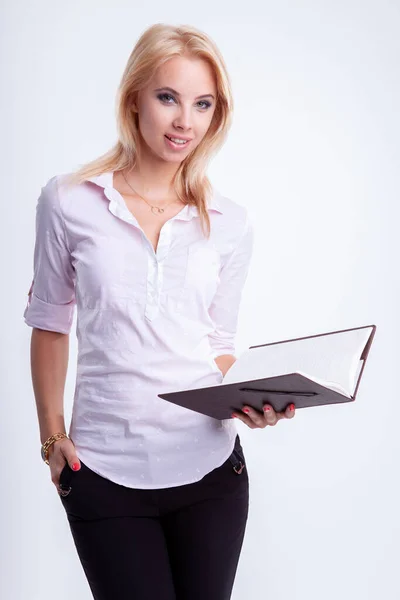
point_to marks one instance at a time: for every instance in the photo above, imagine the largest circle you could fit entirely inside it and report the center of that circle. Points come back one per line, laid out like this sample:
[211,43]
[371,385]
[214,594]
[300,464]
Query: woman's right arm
[49,364]
[50,311]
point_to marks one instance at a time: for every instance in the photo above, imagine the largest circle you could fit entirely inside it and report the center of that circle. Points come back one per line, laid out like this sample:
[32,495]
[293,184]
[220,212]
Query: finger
[271,417]
[257,417]
[245,419]
[289,412]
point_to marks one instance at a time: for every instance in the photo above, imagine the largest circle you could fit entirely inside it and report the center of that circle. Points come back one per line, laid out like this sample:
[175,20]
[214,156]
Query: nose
[183,120]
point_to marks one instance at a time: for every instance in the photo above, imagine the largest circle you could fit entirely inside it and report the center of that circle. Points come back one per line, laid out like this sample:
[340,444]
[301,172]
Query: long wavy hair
[157,44]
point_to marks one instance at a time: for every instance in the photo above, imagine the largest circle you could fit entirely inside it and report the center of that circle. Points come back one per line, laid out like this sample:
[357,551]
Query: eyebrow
[178,94]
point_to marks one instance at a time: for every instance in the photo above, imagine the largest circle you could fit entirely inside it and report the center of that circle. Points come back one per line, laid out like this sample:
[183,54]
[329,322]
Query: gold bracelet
[44,451]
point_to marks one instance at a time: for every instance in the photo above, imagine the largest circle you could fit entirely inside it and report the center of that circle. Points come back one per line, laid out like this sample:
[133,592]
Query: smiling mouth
[180,143]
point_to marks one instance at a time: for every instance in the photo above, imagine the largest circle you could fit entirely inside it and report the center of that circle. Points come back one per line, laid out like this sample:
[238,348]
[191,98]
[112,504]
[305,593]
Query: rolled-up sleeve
[224,309]
[51,298]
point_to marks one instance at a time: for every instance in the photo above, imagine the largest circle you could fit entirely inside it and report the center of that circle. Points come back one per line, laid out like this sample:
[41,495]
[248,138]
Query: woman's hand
[258,420]
[60,452]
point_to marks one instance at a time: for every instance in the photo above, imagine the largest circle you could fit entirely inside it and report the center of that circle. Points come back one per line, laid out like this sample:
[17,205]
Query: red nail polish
[291,407]
[266,408]
[75,466]
[246,410]
[234,416]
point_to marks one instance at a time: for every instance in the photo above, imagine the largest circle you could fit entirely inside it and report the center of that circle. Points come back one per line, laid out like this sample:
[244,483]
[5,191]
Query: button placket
[156,270]
[152,286]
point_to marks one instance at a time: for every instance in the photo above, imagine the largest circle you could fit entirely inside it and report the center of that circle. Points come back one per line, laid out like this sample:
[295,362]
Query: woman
[155,260]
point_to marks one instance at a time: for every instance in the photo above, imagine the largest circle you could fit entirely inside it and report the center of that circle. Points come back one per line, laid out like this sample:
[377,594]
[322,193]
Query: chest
[174,269]
[150,220]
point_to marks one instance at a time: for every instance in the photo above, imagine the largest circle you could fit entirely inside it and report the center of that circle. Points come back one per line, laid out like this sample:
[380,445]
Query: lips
[177,137]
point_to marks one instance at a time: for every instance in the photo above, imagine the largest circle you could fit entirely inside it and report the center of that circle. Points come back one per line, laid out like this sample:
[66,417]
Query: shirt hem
[155,486]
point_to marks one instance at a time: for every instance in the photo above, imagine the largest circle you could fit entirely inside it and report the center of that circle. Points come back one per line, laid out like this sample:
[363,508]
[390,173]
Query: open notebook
[308,371]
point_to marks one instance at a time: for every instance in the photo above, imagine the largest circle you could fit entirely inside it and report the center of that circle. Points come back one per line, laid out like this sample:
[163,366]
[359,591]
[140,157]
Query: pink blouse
[147,323]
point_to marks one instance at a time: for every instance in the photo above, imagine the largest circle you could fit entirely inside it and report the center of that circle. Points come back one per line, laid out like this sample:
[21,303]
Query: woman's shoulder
[62,193]
[59,182]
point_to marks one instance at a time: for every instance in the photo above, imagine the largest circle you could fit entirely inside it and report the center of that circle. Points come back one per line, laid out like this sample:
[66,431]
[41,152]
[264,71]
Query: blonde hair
[156,45]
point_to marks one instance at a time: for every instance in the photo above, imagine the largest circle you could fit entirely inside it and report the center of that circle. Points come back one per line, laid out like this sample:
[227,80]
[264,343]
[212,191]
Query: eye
[207,104]
[164,96]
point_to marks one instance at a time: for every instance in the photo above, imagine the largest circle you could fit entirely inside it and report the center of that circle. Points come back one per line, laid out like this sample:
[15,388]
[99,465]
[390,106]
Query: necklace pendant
[160,210]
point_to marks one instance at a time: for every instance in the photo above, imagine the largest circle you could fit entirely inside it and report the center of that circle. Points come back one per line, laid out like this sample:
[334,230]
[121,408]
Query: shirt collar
[105,180]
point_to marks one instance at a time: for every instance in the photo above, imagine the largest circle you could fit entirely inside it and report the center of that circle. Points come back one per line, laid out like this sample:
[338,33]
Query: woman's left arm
[224,308]
[224,311]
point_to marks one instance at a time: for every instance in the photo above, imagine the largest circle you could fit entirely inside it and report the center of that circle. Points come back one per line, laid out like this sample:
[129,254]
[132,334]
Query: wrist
[50,422]
[47,445]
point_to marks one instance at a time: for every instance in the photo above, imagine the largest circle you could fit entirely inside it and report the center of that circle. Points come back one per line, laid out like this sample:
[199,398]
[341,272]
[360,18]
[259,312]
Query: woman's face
[185,112]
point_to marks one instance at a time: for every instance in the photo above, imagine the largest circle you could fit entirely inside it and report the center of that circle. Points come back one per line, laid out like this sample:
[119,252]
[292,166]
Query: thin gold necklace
[156,208]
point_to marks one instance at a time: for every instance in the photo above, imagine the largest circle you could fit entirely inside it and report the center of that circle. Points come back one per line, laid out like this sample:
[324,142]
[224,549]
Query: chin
[174,159]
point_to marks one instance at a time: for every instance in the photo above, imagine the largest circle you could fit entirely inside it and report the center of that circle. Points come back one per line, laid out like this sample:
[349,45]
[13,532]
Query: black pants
[180,543]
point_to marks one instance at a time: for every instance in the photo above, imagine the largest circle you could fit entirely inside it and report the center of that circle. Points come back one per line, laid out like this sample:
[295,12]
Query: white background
[314,154]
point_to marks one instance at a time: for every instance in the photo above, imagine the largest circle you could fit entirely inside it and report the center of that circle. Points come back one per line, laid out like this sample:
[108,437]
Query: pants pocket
[65,481]
[237,457]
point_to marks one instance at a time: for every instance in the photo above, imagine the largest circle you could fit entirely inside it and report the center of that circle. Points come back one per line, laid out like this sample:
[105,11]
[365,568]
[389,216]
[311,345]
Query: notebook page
[333,358]
[328,384]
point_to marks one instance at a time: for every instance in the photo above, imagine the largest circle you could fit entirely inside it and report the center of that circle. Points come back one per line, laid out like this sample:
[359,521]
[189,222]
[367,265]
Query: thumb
[74,463]
[72,459]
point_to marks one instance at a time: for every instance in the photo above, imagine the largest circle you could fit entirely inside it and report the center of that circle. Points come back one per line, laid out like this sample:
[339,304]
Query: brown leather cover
[220,401]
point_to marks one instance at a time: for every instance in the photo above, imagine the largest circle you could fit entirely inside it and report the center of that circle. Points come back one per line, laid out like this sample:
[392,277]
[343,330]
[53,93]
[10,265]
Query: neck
[152,176]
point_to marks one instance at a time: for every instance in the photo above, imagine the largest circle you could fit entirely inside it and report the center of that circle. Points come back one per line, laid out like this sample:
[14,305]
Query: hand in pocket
[60,453]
